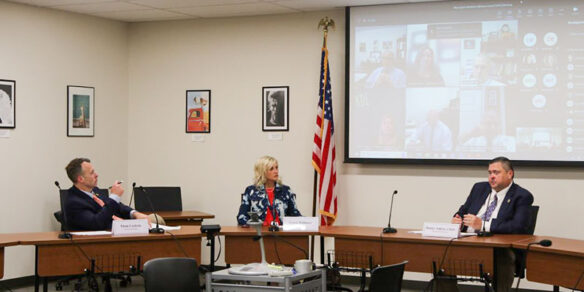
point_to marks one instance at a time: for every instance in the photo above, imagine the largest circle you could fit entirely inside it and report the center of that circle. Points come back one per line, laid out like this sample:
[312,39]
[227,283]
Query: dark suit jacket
[83,213]
[514,214]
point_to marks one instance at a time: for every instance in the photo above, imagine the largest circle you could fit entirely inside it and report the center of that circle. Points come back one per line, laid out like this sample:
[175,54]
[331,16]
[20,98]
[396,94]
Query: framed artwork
[275,108]
[7,103]
[198,115]
[80,111]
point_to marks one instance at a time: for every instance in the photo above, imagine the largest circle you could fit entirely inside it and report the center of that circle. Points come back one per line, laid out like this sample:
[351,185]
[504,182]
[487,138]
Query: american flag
[323,154]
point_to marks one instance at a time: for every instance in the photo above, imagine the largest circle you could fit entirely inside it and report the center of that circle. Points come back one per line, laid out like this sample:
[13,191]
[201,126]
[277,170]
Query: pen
[119,182]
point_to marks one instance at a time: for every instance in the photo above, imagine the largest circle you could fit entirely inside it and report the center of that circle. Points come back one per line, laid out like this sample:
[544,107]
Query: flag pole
[323,24]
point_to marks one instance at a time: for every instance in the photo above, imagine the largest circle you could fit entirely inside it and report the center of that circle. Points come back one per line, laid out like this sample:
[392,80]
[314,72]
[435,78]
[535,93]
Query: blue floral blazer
[256,199]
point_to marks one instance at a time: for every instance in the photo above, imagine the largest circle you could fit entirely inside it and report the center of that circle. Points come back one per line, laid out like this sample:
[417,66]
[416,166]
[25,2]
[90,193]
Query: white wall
[233,57]
[44,51]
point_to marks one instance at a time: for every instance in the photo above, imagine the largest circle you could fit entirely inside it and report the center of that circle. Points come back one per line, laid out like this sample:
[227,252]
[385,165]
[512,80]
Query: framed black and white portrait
[275,100]
[7,104]
[80,111]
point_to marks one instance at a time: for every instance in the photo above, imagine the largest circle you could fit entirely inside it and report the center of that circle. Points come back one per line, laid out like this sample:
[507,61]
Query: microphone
[484,232]
[156,229]
[544,243]
[389,229]
[65,234]
[132,196]
[273,225]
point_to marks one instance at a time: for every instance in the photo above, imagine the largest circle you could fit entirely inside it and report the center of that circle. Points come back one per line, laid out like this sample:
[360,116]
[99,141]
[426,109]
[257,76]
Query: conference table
[463,255]
[460,256]
[242,247]
[180,218]
[109,254]
[561,264]
[6,240]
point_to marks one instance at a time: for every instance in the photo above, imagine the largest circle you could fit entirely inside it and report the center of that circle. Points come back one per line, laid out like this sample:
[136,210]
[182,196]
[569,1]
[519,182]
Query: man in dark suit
[87,210]
[498,206]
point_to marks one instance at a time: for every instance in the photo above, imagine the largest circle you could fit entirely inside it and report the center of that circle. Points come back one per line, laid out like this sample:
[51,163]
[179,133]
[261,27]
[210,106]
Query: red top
[269,216]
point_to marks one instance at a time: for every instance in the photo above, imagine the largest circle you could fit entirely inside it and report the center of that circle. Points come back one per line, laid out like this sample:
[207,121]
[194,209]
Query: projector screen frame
[418,161]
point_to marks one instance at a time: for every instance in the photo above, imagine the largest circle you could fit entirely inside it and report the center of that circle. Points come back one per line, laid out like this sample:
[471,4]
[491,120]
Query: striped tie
[101,203]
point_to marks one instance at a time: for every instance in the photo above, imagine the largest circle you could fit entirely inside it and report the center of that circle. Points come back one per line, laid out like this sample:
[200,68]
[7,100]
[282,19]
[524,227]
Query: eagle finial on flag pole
[324,24]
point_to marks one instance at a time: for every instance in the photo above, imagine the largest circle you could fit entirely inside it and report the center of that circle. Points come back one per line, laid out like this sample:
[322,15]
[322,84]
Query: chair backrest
[162,198]
[532,219]
[171,274]
[520,256]
[61,216]
[387,278]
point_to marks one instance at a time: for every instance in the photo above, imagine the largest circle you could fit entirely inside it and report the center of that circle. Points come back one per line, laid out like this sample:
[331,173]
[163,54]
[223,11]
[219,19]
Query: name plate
[447,230]
[130,227]
[300,224]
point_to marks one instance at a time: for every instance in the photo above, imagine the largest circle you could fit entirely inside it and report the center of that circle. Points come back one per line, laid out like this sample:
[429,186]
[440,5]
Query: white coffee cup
[303,266]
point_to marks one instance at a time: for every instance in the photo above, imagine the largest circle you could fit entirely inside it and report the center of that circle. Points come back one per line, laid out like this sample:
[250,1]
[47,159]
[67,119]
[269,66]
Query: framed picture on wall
[7,103]
[275,108]
[198,115]
[80,111]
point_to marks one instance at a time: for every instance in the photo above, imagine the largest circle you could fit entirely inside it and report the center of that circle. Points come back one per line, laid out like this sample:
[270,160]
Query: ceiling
[158,10]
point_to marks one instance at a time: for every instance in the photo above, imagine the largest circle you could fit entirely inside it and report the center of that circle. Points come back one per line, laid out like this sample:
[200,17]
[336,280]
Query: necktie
[490,209]
[101,203]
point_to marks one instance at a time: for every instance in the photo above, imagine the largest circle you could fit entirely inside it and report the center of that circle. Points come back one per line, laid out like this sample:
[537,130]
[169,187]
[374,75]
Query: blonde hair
[262,165]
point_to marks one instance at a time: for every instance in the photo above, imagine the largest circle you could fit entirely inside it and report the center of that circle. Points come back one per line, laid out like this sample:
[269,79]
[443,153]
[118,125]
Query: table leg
[321,249]
[36,270]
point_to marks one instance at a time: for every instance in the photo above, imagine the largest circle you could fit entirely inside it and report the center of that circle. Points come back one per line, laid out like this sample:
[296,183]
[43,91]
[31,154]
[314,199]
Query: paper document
[166,228]
[462,234]
[87,233]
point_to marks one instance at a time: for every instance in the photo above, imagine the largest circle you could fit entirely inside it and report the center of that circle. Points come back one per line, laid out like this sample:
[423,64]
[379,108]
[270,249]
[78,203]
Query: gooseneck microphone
[156,229]
[65,234]
[390,229]
[483,232]
[274,224]
[132,196]
[544,243]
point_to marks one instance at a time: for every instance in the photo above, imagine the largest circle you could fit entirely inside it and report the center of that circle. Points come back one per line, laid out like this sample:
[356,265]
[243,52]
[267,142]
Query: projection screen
[461,82]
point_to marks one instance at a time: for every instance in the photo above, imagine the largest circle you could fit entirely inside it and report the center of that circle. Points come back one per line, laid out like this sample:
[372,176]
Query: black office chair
[171,274]
[387,278]
[534,210]
[520,257]
[162,199]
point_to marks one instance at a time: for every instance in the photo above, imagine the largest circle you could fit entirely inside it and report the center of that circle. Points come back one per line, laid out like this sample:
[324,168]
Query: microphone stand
[390,229]
[254,268]
[156,229]
[484,232]
[132,196]
[65,234]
